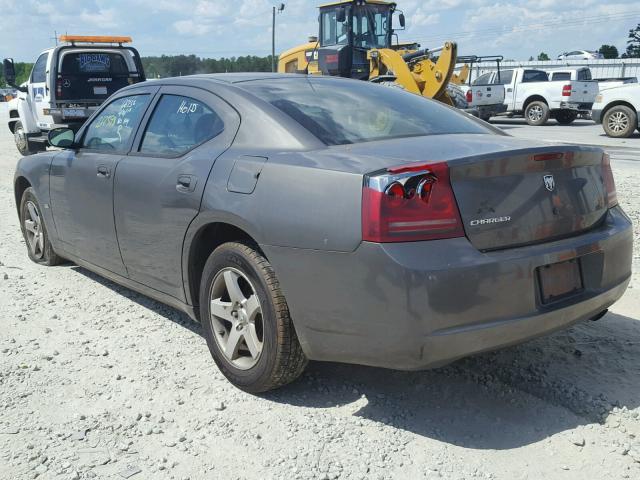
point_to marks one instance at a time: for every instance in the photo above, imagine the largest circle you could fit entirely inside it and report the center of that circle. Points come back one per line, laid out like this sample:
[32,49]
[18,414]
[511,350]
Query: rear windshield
[534,76]
[351,111]
[89,63]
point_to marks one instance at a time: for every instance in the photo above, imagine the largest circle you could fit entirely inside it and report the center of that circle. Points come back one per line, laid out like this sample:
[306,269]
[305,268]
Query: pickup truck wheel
[25,147]
[537,113]
[35,231]
[246,320]
[565,117]
[619,121]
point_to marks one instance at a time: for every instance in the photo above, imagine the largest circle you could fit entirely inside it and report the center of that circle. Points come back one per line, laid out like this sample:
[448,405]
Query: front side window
[178,124]
[111,130]
[370,27]
[39,73]
[341,112]
[333,33]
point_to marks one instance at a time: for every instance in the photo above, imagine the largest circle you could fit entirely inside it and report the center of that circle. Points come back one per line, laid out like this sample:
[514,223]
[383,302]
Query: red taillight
[469,96]
[609,184]
[333,58]
[566,91]
[59,89]
[410,203]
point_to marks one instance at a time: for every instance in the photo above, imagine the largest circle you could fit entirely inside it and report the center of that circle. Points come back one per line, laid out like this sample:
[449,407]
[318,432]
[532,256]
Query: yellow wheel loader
[356,41]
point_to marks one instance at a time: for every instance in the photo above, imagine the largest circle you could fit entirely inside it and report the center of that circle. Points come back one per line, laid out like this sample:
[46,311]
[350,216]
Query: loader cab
[348,30]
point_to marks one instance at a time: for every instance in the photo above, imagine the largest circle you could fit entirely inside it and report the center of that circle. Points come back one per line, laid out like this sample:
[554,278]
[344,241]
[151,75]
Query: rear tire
[24,146]
[35,232]
[619,121]
[250,334]
[565,117]
[537,113]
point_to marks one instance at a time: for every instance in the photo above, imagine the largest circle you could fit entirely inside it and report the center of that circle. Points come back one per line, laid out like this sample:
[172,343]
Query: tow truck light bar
[94,39]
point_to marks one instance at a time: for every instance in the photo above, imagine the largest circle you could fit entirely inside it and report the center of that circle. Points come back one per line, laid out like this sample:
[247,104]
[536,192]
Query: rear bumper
[424,304]
[579,107]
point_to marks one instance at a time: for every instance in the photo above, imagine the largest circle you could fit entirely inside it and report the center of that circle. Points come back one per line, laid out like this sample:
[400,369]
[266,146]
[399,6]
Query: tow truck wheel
[25,147]
[565,117]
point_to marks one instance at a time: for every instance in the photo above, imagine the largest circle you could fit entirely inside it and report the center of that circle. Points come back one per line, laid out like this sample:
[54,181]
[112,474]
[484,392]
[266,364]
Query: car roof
[241,76]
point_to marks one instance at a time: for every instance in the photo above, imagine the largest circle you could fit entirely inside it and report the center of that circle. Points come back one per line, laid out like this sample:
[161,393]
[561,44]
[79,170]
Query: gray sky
[216,28]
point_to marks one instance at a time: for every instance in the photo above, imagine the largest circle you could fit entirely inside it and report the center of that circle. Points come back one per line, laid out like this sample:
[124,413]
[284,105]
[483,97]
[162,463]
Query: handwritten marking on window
[187,107]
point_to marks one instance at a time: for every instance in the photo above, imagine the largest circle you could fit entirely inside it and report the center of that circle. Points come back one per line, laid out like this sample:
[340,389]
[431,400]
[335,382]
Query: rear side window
[350,111]
[505,77]
[111,130]
[39,73]
[561,76]
[90,63]
[178,124]
[534,76]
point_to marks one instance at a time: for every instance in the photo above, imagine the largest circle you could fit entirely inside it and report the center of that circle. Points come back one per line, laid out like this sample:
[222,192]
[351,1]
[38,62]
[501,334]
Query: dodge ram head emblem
[549,182]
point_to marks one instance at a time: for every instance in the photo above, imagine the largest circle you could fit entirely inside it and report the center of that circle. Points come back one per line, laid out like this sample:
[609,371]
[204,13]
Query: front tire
[35,232]
[565,117]
[619,121]
[246,320]
[24,146]
[537,113]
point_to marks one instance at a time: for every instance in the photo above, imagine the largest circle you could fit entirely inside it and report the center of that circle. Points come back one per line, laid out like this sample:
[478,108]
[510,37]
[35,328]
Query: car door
[81,180]
[159,185]
[39,94]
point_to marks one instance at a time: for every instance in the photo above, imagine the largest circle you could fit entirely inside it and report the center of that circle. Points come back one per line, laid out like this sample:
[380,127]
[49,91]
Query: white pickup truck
[67,84]
[486,99]
[529,92]
[618,110]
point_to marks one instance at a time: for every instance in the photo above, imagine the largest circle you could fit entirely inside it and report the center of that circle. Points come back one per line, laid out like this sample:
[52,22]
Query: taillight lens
[59,88]
[410,203]
[566,91]
[469,96]
[607,179]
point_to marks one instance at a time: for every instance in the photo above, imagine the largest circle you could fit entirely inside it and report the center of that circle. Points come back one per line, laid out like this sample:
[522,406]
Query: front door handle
[103,171]
[186,183]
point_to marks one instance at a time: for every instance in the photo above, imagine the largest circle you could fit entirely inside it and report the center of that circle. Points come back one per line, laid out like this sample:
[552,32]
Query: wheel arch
[618,103]
[20,185]
[14,117]
[204,241]
[534,98]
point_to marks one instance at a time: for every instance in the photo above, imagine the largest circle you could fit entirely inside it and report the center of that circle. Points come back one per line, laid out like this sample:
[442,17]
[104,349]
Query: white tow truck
[531,93]
[67,84]
[484,99]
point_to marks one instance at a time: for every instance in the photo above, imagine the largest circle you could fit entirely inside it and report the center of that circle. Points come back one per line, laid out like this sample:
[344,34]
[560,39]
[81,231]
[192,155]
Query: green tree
[531,59]
[633,44]
[543,57]
[608,51]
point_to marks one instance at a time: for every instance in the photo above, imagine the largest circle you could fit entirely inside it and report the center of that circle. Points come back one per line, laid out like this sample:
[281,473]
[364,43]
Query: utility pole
[273,36]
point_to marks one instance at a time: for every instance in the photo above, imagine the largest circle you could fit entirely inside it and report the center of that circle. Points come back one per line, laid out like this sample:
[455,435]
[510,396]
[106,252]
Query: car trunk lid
[520,198]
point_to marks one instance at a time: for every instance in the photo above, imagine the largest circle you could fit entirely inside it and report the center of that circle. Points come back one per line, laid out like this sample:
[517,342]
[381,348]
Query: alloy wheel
[33,230]
[535,113]
[20,137]
[236,318]
[618,122]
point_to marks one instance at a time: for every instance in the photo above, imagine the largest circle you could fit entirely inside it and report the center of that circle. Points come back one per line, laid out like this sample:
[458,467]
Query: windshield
[349,111]
[370,26]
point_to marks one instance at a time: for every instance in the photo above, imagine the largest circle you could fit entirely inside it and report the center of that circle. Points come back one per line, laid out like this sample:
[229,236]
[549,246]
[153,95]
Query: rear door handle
[186,183]
[103,171]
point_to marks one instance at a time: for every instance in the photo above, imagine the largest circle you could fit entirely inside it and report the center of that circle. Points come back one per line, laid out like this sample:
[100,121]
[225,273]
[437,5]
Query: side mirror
[402,20]
[62,137]
[341,15]
[9,71]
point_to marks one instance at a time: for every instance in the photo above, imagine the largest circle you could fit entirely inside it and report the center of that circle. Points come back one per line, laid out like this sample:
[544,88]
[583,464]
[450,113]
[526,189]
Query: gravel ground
[97,381]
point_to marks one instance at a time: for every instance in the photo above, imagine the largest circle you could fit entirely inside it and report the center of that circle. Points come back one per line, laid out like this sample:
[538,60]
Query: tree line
[177,65]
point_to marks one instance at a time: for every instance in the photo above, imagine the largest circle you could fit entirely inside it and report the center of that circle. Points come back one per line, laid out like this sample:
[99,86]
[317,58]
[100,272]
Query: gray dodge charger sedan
[316,218]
